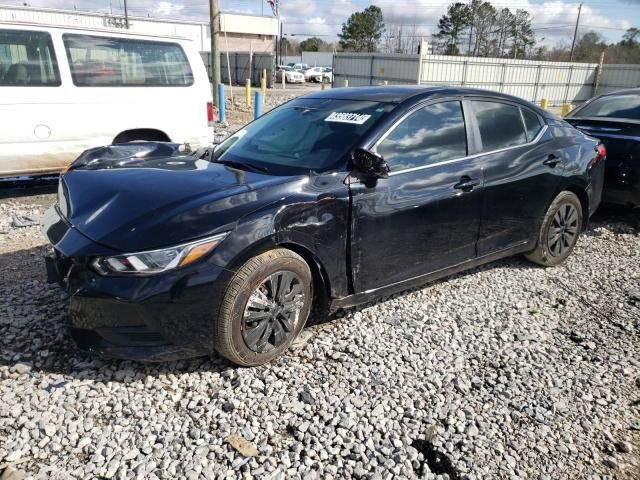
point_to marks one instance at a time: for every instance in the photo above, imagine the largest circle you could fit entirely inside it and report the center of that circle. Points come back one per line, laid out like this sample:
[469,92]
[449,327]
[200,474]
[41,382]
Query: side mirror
[369,164]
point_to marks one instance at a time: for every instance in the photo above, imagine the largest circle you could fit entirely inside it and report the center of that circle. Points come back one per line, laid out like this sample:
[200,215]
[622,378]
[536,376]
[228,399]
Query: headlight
[157,261]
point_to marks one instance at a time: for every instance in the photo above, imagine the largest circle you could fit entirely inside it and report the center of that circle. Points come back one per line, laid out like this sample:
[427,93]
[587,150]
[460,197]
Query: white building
[240,33]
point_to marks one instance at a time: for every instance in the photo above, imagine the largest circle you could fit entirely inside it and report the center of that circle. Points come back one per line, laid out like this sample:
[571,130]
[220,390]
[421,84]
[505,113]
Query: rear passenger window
[432,134]
[531,123]
[124,62]
[27,59]
[500,125]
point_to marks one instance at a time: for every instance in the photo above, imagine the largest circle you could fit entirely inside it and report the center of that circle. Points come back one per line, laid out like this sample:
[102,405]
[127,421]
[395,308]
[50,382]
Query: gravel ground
[506,371]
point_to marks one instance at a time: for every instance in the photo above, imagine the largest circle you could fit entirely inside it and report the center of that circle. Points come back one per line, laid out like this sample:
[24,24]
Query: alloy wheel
[273,311]
[563,231]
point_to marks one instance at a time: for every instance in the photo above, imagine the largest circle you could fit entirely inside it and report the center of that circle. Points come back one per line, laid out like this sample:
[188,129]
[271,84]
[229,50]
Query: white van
[63,90]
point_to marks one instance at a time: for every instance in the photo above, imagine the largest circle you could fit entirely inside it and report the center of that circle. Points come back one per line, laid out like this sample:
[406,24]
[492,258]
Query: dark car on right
[614,118]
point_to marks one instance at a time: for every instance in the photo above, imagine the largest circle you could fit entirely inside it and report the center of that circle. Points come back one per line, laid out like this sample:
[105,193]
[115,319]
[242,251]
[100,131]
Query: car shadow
[28,186]
[615,218]
[32,314]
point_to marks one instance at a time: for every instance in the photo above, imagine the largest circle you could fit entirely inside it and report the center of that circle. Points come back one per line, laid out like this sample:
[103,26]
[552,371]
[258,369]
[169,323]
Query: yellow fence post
[248,92]
[386,82]
[565,108]
[544,103]
[345,83]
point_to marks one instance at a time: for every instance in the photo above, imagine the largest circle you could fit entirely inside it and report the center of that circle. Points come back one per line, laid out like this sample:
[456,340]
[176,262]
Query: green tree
[313,44]
[452,25]
[589,47]
[505,20]
[484,19]
[524,39]
[631,38]
[363,30]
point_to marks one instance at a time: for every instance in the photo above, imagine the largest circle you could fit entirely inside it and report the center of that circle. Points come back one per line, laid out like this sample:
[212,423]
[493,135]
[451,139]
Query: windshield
[613,106]
[302,135]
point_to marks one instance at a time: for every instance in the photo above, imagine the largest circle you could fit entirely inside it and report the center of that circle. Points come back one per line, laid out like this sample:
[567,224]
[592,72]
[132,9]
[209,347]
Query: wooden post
[596,82]
[226,41]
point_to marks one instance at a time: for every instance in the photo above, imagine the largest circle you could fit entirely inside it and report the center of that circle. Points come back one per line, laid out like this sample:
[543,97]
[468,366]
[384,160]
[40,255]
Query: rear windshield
[613,106]
[303,135]
[124,62]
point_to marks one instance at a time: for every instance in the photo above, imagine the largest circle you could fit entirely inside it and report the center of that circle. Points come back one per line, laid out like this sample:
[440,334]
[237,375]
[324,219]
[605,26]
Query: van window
[124,62]
[27,59]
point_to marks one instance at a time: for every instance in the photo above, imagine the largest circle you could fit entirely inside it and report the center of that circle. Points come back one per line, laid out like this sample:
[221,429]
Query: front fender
[312,218]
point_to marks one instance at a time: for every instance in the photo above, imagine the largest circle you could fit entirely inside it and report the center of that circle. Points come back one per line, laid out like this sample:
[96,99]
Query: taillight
[601,154]
[210,112]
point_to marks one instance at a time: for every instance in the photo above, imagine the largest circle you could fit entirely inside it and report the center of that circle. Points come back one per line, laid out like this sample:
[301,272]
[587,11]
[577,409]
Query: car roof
[402,93]
[626,91]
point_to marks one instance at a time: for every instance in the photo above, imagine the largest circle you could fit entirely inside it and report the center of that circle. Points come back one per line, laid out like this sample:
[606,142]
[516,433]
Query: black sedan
[327,202]
[614,118]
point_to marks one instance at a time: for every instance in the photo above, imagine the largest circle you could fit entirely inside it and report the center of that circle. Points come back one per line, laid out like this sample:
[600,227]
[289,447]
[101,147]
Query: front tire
[559,232]
[265,306]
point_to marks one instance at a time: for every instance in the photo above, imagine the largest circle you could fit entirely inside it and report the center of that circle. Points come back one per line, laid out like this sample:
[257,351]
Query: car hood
[165,201]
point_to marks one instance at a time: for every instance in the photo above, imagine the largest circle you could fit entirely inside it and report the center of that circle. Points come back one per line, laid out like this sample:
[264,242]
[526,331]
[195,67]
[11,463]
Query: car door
[425,216]
[522,168]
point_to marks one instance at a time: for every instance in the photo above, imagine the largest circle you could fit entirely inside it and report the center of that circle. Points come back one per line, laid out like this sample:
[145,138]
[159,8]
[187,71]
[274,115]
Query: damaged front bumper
[154,318]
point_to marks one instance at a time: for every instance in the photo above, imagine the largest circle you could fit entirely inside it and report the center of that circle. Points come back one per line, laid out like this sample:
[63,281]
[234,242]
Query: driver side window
[432,134]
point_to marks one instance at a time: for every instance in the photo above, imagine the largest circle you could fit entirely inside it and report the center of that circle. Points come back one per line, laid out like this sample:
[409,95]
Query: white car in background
[290,75]
[314,74]
[299,67]
[328,74]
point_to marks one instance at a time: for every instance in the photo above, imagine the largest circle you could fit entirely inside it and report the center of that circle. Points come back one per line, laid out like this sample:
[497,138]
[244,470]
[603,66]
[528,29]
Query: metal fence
[313,59]
[558,82]
[243,65]
[373,69]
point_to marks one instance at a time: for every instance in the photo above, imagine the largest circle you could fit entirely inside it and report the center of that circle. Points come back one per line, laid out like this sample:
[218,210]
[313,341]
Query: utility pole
[280,42]
[575,32]
[214,17]
[126,15]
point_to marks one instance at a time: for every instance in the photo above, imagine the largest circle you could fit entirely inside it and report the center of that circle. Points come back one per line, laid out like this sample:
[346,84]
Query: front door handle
[551,161]
[466,183]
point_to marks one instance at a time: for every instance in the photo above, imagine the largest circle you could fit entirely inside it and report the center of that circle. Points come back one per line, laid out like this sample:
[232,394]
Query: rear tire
[265,306]
[559,231]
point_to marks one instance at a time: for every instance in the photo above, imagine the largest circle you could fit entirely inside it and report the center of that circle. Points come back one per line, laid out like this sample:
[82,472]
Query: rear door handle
[551,161]
[466,183]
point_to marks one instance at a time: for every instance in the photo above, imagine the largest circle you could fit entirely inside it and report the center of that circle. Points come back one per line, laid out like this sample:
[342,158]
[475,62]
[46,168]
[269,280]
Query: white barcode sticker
[345,117]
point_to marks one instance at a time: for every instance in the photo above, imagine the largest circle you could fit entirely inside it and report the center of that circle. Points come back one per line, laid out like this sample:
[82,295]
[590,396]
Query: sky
[553,20]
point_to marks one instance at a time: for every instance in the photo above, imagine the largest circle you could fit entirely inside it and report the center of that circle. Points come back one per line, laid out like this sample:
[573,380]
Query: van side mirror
[371,165]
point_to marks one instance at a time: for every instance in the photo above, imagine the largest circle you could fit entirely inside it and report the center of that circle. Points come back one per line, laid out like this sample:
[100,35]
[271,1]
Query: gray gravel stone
[506,371]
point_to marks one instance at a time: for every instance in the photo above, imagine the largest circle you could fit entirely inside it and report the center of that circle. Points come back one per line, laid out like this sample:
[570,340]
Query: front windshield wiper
[242,165]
